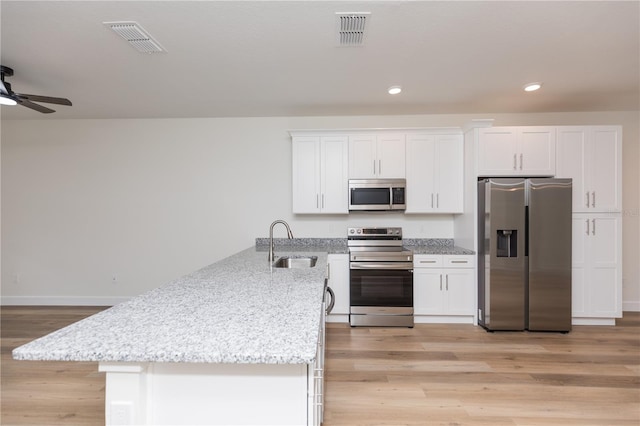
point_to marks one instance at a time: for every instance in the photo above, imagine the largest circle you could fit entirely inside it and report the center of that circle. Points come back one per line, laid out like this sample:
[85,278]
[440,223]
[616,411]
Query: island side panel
[206,394]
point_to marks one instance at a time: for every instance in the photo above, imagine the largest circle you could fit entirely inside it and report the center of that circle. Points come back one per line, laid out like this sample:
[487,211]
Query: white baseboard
[631,306]
[62,300]
[593,321]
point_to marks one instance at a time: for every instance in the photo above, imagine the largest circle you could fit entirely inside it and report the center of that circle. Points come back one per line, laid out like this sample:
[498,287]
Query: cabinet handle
[323,201]
[514,162]
[447,282]
[593,230]
[432,200]
[374,167]
[427,261]
[440,282]
[379,167]
[317,202]
[459,261]
[437,200]
[520,161]
[593,199]
[587,226]
[587,199]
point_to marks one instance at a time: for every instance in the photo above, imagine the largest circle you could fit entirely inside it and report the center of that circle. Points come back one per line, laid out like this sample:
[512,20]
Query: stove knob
[352,231]
[359,231]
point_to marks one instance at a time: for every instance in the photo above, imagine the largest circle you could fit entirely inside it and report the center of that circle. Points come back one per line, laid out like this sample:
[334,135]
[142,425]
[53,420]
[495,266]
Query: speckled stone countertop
[237,310]
[339,245]
[434,246]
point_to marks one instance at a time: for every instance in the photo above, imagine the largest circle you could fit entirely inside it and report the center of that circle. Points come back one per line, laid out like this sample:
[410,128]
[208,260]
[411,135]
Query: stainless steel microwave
[377,194]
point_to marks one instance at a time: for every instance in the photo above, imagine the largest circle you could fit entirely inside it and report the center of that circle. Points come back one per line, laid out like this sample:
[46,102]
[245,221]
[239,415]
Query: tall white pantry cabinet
[592,157]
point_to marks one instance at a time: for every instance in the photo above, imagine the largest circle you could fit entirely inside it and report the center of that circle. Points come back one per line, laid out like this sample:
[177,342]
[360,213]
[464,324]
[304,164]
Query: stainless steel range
[380,278]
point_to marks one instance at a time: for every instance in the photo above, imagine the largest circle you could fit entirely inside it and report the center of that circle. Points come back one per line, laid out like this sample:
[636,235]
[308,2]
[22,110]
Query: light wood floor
[429,375]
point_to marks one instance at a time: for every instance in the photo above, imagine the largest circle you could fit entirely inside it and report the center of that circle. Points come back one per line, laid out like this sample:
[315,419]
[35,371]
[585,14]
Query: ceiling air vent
[136,36]
[351,28]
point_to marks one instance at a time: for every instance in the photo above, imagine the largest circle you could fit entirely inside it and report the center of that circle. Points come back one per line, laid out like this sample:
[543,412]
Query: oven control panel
[374,232]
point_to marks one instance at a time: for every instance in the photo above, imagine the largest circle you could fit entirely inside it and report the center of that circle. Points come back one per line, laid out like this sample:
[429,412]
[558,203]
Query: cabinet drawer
[427,261]
[458,261]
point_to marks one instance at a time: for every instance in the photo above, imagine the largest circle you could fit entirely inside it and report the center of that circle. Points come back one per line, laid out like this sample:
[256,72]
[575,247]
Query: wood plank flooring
[429,375]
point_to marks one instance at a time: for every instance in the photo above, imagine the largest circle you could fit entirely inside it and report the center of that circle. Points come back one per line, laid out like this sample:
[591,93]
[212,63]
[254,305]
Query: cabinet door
[334,197]
[571,158]
[604,170]
[306,174]
[536,151]
[448,167]
[362,156]
[460,291]
[420,174]
[339,282]
[596,266]
[606,282]
[428,291]
[391,156]
[497,151]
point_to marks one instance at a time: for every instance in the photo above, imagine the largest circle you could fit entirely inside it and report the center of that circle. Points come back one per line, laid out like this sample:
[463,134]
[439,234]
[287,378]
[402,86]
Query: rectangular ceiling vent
[351,28]
[136,36]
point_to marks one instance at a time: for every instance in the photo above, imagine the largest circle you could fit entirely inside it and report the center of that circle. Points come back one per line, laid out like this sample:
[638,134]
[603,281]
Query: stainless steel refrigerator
[524,254]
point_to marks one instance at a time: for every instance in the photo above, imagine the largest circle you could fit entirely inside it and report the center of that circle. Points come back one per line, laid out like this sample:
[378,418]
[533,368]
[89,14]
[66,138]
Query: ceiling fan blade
[46,99]
[36,107]
[3,88]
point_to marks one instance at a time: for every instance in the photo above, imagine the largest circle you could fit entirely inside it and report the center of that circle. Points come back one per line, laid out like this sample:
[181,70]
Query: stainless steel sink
[296,262]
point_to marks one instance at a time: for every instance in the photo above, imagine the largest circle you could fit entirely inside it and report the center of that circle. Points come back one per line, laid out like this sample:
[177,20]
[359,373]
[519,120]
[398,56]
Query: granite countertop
[238,310]
[434,246]
[339,245]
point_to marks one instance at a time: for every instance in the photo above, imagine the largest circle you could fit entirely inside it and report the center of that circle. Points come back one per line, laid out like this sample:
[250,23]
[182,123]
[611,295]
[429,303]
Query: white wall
[149,200]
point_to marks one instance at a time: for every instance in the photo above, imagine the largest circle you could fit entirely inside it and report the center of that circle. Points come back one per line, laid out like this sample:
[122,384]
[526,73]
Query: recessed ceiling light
[394,90]
[532,87]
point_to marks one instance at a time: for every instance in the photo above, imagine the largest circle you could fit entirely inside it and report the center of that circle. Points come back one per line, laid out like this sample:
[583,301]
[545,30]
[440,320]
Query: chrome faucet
[271,247]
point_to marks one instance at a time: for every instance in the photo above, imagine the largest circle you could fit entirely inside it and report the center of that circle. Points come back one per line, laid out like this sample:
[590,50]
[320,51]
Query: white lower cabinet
[444,288]
[596,268]
[338,273]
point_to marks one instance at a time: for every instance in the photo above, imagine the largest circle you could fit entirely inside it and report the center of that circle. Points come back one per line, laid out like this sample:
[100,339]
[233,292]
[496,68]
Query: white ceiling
[280,58]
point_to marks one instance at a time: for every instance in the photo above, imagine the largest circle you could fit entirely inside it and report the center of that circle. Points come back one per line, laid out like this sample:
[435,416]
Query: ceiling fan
[9,97]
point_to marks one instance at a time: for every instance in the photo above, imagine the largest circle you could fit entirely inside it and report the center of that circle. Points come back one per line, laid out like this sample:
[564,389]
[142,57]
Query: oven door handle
[402,266]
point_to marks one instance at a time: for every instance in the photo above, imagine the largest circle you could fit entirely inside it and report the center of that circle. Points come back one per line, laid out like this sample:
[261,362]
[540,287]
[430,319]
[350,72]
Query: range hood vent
[351,28]
[136,36]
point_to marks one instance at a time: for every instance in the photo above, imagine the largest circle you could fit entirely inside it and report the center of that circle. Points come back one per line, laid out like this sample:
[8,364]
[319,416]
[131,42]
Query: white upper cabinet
[379,155]
[434,173]
[592,157]
[320,174]
[517,151]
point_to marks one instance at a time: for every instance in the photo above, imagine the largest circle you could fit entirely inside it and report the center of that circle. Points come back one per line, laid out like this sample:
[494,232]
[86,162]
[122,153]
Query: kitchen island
[236,342]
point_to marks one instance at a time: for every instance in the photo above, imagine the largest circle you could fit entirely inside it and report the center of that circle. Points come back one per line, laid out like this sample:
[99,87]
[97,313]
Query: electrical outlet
[121,413]
[114,279]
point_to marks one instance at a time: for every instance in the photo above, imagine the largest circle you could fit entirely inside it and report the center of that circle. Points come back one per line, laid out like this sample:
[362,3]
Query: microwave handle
[391,197]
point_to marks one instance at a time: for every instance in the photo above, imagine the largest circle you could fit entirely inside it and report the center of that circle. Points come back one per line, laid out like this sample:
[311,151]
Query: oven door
[374,287]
